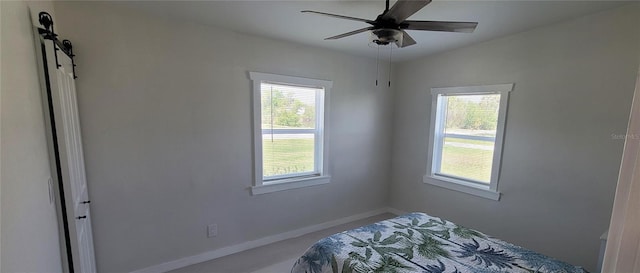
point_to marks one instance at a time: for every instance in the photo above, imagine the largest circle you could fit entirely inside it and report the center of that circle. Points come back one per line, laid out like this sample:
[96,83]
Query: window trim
[286,182]
[468,186]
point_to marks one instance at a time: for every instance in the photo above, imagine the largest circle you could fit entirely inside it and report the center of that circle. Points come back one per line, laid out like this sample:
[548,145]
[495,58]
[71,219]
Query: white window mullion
[470,137]
[288,131]
[269,179]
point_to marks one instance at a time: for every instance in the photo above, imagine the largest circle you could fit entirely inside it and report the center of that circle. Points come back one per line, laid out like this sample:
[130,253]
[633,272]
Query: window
[467,128]
[290,148]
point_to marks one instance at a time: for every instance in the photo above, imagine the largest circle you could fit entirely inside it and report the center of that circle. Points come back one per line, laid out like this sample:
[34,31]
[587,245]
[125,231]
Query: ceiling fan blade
[406,40]
[402,9]
[339,16]
[349,33]
[467,27]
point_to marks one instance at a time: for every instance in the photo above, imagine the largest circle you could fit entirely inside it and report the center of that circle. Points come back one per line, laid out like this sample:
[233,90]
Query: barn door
[622,252]
[65,143]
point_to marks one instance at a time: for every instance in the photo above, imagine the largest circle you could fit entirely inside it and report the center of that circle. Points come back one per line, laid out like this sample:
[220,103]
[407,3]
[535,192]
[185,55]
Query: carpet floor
[273,258]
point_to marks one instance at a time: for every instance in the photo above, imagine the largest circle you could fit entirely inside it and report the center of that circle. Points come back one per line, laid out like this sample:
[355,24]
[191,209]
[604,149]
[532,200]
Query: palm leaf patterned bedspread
[417,242]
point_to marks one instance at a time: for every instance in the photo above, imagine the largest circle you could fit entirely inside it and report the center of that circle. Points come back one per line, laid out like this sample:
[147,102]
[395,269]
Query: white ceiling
[282,20]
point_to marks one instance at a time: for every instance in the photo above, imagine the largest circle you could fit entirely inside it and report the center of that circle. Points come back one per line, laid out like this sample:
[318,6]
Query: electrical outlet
[212,230]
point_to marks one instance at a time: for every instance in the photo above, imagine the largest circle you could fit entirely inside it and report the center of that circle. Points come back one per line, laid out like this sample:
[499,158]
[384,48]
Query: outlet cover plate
[212,230]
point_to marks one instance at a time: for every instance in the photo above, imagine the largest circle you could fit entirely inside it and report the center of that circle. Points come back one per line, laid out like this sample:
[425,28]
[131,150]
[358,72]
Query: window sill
[462,186]
[288,184]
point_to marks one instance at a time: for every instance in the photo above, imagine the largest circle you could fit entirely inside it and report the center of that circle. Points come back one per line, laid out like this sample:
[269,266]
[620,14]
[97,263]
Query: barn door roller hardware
[47,31]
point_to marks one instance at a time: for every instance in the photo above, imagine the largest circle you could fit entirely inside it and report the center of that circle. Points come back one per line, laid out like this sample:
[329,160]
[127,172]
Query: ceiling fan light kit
[389,26]
[384,36]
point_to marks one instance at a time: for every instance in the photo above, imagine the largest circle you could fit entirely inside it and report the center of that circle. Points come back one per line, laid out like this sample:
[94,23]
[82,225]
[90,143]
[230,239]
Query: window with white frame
[467,128]
[289,126]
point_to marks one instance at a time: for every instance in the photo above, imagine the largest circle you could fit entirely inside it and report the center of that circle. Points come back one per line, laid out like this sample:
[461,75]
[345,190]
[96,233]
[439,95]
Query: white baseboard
[214,254]
[396,211]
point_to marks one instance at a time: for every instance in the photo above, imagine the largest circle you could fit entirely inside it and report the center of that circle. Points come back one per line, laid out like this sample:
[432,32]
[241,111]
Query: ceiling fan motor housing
[384,36]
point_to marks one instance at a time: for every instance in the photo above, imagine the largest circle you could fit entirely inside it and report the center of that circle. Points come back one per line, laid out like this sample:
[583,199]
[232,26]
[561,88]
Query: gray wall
[165,114]
[574,83]
[29,229]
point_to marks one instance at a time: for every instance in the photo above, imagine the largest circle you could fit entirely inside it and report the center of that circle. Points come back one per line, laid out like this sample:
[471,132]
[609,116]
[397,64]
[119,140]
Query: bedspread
[417,242]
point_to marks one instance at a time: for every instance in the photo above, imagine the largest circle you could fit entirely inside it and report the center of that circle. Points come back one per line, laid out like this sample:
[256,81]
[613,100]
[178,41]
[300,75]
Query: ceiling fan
[390,26]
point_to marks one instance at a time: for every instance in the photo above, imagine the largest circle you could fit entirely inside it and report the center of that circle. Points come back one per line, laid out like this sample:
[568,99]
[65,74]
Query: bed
[417,242]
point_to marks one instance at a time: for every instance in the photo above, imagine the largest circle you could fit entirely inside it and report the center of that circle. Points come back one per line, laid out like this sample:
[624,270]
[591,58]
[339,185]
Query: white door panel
[66,151]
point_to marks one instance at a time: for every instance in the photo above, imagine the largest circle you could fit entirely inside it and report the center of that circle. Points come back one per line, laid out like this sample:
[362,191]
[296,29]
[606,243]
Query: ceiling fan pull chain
[377,65]
[390,52]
